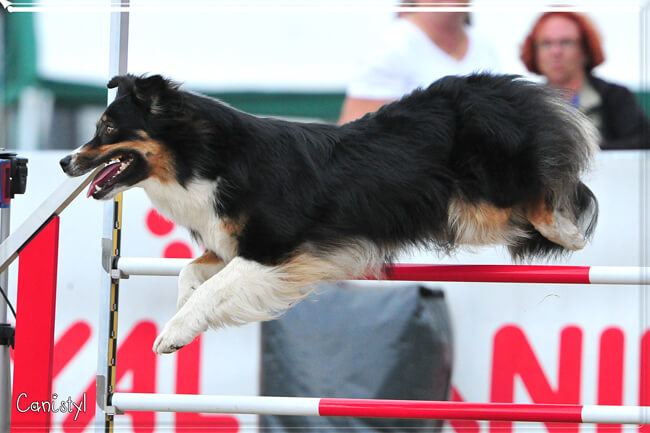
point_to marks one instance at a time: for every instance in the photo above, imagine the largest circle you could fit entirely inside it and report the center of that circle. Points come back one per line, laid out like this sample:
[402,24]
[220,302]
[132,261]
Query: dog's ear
[151,91]
[115,82]
[124,84]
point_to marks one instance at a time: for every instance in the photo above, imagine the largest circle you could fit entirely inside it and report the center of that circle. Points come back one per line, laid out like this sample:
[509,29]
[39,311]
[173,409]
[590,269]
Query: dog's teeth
[97,188]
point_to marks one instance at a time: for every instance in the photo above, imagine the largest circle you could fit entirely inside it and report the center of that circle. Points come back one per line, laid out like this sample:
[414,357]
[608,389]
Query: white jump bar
[215,404]
[633,275]
[151,266]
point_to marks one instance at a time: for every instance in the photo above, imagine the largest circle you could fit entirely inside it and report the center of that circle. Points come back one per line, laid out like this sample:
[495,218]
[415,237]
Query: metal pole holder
[13,180]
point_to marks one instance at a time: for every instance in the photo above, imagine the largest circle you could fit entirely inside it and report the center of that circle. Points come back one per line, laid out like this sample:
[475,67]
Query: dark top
[624,124]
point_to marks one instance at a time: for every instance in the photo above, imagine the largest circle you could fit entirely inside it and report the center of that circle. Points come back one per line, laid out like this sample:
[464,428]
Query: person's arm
[384,74]
[353,108]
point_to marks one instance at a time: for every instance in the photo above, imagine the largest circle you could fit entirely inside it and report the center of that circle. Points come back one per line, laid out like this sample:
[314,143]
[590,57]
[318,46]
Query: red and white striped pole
[462,273]
[448,410]
[521,274]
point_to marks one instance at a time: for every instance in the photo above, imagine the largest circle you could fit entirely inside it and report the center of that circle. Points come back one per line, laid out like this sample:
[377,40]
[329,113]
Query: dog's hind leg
[555,225]
[196,273]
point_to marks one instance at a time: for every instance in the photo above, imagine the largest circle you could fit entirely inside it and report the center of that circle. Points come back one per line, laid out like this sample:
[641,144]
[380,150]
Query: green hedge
[323,106]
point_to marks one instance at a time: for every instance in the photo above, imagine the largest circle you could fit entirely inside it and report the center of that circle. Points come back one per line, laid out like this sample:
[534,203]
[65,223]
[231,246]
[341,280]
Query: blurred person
[565,47]
[416,50]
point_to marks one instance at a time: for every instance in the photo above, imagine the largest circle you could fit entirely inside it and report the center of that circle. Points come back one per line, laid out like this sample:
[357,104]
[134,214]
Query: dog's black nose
[65,163]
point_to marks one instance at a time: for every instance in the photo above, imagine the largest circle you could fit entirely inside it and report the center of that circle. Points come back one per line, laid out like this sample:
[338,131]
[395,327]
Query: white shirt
[405,59]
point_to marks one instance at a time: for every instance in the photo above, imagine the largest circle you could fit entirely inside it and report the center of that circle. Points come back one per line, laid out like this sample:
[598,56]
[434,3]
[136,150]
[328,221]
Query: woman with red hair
[565,47]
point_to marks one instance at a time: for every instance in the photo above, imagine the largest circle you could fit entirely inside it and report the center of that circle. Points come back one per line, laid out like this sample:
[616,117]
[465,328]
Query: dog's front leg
[243,291]
[196,273]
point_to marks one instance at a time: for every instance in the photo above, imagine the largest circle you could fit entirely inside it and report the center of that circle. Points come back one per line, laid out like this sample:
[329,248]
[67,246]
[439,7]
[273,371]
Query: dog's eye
[109,129]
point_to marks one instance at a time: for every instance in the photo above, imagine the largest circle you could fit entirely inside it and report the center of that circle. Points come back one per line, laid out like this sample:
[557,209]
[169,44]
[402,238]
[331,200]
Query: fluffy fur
[280,206]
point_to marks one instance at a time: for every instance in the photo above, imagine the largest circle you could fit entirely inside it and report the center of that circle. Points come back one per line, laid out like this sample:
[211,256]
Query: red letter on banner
[513,356]
[69,345]
[462,425]
[188,371]
[135,356]
[610,373]
[644,376]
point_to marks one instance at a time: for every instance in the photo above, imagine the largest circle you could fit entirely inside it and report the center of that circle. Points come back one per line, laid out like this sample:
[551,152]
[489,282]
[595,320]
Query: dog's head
[124,142]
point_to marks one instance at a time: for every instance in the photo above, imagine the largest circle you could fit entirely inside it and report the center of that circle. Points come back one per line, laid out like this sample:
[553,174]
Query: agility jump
[372,408]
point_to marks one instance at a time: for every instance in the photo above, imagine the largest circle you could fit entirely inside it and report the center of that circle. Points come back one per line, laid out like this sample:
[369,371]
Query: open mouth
[106,179]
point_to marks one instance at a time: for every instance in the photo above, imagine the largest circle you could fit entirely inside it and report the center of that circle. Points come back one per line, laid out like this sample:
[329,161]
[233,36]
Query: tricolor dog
[281,206]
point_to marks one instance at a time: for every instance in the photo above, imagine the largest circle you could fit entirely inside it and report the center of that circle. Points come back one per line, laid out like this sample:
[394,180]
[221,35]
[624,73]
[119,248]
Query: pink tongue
[106,173]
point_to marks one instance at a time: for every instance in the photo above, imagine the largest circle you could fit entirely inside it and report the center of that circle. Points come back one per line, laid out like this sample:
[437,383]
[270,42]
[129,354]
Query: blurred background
[271,61]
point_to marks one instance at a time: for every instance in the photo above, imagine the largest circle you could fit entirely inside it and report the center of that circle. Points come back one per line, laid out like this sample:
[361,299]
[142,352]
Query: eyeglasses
[565,44]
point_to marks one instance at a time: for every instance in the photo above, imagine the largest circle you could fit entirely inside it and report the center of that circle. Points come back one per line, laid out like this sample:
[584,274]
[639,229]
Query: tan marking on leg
[555,226]
[356,259]
[305,270]
[233,226]
[539,214]
[479,224]
[207,258]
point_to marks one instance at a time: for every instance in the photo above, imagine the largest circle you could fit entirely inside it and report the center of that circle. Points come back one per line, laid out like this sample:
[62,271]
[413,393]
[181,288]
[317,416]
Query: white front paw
[173,336]
[189,279]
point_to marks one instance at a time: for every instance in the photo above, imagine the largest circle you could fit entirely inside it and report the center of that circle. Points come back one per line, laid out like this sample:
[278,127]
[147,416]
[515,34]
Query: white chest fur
[193,207]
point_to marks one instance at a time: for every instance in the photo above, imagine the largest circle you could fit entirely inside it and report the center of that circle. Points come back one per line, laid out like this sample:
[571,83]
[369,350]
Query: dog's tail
[565,214]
